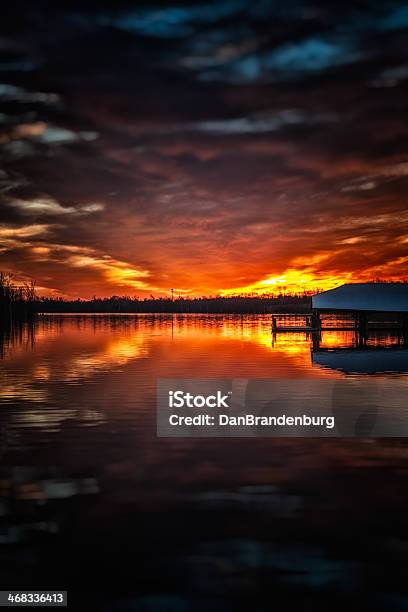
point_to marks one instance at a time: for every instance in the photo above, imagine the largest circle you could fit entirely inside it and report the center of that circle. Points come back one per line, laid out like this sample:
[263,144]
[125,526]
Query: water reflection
[228,522]
[381,351]
[369,361]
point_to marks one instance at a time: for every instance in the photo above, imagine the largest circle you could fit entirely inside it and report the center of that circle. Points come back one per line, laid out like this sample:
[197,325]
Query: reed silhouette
[17,301]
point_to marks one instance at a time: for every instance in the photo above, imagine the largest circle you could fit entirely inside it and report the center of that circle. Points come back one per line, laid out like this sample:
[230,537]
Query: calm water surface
[92,500]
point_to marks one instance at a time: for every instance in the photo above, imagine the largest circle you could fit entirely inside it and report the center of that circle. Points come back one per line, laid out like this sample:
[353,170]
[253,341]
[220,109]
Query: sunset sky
[216,148]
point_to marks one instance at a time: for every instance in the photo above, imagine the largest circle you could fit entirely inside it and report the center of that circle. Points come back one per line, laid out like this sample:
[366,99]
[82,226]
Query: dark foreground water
[91,500]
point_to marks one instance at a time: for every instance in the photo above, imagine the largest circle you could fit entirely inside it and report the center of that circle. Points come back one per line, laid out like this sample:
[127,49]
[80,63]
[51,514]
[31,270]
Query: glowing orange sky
[213,234]
[196,258]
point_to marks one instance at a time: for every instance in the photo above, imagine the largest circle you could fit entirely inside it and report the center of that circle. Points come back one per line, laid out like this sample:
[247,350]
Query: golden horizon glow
[291,281]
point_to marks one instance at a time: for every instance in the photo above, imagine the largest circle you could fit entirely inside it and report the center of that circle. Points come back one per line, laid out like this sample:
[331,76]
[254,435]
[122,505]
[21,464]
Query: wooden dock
[309,323]
[307,328]
[359,323]
[292,328]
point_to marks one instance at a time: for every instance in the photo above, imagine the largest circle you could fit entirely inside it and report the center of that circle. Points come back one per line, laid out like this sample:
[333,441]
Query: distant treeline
[17,301]
[227,305]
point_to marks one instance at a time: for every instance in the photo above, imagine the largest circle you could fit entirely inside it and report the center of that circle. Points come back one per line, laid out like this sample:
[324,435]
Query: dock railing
[360,322]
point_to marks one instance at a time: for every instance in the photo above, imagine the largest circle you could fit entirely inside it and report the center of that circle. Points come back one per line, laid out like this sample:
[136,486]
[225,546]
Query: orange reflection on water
[350,339]
[122,351]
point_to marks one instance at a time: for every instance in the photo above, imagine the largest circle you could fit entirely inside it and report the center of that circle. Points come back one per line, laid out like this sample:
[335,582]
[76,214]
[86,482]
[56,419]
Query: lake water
[92,500]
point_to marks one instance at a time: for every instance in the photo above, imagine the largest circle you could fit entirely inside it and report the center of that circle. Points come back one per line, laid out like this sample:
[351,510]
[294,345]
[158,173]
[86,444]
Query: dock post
[405,329]
[362,328]
[363,323]
[316,337]
[316,322]
[274,325]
